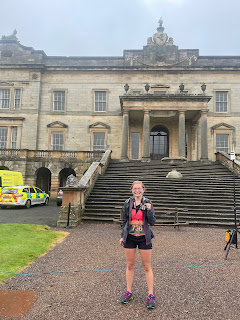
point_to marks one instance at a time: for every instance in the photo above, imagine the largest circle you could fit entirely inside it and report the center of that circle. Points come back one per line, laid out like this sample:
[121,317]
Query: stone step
[195,223]
[158,212]
[204,196]
[173,196]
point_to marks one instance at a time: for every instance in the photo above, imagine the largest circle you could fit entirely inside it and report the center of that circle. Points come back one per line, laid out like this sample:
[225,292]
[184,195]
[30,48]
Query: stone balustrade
[224,158]
[49,154]
[91,175]
[77,195]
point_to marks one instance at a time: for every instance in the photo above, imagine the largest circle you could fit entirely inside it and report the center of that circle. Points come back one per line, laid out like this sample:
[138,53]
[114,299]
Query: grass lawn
[21,244]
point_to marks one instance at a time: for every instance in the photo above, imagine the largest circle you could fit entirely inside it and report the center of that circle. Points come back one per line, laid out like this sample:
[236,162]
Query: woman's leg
[130,257]
[146,262]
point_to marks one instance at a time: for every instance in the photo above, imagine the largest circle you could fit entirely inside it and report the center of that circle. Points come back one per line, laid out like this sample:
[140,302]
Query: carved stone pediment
[57,124]
[222,125]
[99,125]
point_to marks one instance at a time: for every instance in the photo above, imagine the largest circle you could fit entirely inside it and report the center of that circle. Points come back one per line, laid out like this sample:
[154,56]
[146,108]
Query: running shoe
[126,297]
[151,301]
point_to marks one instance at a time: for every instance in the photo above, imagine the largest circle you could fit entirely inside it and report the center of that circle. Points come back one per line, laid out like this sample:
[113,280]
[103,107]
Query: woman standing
[138,214]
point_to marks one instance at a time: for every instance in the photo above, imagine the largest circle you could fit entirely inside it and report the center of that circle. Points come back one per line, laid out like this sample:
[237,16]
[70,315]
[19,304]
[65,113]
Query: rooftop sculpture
[11,37]
[160,37]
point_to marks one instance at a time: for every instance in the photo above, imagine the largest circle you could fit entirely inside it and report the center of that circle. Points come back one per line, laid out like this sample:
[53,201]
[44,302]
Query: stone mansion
[57,114]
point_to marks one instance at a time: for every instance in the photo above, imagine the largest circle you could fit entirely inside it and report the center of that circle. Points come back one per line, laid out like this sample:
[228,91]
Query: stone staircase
[203,197]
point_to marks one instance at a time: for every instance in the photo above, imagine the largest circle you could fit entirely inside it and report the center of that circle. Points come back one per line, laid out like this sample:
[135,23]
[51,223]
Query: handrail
[91,175]
[224,158]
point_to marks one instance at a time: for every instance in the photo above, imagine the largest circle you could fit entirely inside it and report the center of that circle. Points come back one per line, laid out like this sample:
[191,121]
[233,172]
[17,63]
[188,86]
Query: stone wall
[28,163]
[38,75]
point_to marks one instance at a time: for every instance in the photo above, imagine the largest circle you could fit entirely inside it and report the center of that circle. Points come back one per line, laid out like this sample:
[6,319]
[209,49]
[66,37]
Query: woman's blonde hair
[135,182]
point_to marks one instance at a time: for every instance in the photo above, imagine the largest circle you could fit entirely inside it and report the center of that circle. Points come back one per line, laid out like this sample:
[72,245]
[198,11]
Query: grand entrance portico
[156,126]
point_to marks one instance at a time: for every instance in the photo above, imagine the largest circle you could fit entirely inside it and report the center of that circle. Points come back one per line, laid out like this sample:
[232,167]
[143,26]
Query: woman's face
[138,190]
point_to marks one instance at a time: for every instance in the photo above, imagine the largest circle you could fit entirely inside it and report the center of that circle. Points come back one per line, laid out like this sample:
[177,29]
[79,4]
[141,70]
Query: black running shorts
[133,242]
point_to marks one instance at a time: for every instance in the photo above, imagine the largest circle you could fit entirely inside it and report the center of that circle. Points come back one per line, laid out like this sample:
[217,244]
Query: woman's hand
[148,205]
[121,242]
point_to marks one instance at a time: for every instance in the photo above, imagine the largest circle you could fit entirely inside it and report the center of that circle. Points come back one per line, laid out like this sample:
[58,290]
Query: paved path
[209,291]
[38,214]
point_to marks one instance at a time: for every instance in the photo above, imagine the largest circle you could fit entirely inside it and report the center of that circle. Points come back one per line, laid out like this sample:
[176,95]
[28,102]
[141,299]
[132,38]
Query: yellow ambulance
[22,196]
[10,178]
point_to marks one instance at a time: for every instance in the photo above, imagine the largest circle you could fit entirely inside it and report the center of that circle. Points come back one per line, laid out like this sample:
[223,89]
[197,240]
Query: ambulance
[10,178]
[22,196]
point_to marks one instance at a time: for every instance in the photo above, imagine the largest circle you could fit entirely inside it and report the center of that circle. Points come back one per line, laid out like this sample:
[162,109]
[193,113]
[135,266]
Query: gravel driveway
[38,214]
[208,291]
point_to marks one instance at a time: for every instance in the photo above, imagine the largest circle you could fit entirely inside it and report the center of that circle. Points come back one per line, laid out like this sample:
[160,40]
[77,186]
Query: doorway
[43,180]
[159,143]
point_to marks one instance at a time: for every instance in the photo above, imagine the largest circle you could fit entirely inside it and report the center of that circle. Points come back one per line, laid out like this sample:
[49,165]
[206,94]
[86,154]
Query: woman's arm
[150,212]
[125,216]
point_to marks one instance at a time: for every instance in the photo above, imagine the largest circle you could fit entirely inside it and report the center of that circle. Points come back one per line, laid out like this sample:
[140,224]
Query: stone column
[199,140]
[125,130]
[181,134]
[54,186]
[204,135]
[194,142]
[146,136]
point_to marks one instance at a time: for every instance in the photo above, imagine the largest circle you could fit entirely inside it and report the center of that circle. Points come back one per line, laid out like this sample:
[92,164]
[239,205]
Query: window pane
[17,94]
[222,143]
[100,101]
[14,137]
[59,101]
[57,141]
[99,141]
[221,101]
[4,98]
[3,137]
[135,145]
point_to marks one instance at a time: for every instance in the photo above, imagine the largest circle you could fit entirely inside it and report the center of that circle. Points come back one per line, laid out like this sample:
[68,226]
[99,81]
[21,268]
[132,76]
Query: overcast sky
[107,27]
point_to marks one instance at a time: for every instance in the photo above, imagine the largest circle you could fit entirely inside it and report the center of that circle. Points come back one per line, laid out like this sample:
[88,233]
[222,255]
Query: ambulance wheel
[46,201]
[28,204]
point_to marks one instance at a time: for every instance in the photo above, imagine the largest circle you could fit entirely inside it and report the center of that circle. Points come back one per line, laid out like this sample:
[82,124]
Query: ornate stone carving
[170,41]
[150,41]
[160,37]
[34,76]
[11,37]
[72,181]
[7,54]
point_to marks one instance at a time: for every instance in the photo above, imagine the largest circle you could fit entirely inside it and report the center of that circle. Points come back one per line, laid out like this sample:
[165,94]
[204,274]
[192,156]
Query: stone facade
[146,104]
